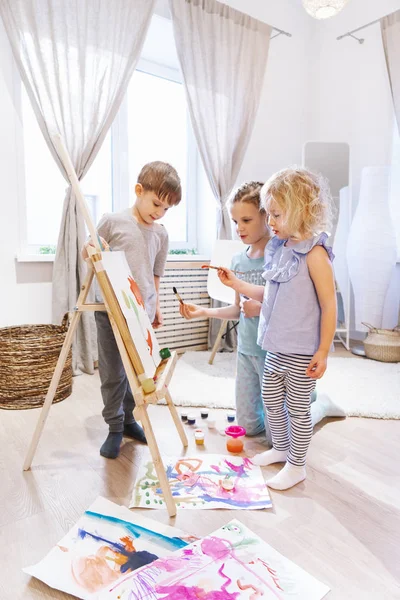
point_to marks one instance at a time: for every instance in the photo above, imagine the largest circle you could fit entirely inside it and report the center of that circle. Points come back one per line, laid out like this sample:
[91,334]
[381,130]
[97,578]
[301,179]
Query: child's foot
[269,457]
[112,445]
[289,476]
[329,408]
[133,430]
[324,407]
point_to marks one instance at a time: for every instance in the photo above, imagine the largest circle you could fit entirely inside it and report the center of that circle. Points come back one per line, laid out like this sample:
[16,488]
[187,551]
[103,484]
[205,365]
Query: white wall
[352,96]
[353,101]
[284,116]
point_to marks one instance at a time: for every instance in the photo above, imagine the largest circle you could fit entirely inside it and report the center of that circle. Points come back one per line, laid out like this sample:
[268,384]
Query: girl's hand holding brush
[227,277]
[191,311]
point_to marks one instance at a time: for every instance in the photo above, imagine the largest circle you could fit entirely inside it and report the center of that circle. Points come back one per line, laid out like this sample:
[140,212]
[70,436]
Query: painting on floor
[230,564]
[209,481]
[106,544]
[132,306]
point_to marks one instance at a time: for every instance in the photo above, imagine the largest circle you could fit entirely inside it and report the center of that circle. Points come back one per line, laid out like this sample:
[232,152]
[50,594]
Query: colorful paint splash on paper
[107,543]
[231,564]
[198,483]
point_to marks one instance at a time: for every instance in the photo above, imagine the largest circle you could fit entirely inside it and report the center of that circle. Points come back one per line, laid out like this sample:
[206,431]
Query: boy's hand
[227,277]
[158,319]
[85,253]
[318,364]
[191,311]
[250,308]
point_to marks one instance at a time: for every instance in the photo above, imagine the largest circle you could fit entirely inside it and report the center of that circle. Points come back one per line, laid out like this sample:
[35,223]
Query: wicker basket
[382,344]
[28,357]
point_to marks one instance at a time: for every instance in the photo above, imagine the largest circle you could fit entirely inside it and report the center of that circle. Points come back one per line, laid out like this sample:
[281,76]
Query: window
[152,124]
[45,187]
[157,128]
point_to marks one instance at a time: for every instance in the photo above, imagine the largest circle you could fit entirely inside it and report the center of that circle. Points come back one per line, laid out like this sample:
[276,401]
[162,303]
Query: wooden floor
[342,525]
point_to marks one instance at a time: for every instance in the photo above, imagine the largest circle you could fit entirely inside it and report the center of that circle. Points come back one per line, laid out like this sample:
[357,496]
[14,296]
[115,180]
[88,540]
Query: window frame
[121,185]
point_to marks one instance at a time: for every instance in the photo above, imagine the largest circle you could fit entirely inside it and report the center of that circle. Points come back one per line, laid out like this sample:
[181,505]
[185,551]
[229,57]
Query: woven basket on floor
[28,357]
[382,344]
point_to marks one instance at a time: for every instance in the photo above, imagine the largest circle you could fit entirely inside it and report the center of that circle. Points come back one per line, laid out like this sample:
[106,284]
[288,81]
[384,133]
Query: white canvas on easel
[132,306]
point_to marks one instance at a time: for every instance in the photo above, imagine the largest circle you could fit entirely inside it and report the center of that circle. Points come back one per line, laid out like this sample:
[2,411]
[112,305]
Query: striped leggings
[286,392]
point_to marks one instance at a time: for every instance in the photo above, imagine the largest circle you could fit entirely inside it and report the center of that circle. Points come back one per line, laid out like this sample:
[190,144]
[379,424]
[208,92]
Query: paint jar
[227,484]
[184,416]
[211,423]
[165,353]
[235,435]
[199,437]
[204,414]
[191,419]
[231,417]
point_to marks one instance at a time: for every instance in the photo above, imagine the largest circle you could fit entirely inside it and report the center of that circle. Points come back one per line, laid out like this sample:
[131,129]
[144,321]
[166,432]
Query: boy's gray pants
[115,389]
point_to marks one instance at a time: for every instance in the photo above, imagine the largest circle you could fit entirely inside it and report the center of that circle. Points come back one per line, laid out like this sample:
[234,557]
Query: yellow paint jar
[199,437]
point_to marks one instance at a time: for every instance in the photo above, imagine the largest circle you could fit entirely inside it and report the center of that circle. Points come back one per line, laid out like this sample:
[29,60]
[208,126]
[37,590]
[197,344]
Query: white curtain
[75,58]
[223,56]
[390,28]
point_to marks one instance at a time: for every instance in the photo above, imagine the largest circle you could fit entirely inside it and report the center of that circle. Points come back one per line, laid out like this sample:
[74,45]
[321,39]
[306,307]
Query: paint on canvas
[132,306]
[230,564]
[198,482]
[107,543]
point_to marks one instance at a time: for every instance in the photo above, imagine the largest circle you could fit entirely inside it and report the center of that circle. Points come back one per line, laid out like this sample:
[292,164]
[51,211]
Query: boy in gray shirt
[145,243]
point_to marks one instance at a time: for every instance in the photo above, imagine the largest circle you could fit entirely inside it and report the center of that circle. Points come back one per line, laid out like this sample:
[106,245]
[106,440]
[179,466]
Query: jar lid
[235,431]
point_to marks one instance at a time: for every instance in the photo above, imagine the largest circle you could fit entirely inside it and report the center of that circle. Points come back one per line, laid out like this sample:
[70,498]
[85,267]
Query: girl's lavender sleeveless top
[290,318]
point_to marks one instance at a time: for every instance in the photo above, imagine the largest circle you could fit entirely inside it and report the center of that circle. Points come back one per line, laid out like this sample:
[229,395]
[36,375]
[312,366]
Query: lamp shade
[323,9]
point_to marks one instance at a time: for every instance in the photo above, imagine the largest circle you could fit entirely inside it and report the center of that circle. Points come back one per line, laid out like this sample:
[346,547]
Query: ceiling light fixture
[323,9]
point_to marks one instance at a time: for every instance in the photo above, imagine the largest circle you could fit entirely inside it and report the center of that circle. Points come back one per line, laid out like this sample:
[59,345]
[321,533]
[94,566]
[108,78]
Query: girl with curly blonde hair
[298,313]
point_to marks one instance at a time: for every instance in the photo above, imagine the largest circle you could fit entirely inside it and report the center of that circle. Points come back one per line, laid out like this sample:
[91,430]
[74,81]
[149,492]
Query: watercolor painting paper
[108,542]
[198,482]
[230,564]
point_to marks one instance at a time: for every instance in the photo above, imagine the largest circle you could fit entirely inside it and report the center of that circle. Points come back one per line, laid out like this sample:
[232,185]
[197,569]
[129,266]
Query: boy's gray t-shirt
[145,247]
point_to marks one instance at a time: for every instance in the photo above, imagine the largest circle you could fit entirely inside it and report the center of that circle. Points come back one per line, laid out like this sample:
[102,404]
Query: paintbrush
[217,268]
[177,295]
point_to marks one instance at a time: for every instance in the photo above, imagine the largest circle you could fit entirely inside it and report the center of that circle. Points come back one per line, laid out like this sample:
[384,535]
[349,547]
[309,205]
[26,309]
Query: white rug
[361,387]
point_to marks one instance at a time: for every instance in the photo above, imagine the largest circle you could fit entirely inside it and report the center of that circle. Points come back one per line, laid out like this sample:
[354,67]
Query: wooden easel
[218,339]
[144,391]
[222,331]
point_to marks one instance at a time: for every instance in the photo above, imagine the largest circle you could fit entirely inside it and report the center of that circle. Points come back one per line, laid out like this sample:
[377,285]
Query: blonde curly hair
[304,198]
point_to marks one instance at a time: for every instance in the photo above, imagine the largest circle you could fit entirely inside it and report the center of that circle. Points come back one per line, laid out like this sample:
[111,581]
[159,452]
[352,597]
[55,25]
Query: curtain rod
[280,32]
[350,33]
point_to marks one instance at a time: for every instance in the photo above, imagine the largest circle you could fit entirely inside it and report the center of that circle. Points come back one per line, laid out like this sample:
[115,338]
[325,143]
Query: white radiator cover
[191,282]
